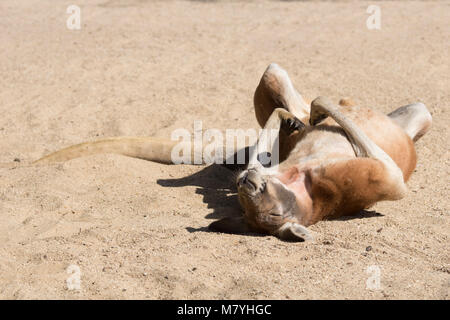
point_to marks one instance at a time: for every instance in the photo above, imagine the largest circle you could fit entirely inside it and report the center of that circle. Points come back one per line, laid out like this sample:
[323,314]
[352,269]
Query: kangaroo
[334,159]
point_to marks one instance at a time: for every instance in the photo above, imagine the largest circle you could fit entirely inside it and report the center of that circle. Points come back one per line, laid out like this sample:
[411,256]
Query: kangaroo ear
[230,225]
[294,232]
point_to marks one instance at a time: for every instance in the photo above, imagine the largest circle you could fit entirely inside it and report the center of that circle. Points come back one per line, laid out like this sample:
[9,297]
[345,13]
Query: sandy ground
[137,229]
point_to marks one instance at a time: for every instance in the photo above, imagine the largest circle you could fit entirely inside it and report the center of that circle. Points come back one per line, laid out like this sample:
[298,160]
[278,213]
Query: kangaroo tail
[148,148]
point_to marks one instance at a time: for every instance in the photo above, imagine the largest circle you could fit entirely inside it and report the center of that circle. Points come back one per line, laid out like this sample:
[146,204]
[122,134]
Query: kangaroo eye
[275,214]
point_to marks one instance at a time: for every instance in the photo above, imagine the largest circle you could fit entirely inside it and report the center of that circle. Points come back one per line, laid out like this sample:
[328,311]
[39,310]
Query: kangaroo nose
[243,180]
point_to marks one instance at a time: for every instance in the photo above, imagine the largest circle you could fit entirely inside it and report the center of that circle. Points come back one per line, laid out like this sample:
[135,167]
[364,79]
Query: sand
[137,229]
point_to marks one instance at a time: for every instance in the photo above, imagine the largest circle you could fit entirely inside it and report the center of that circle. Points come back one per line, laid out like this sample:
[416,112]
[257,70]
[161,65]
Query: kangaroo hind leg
[276,90]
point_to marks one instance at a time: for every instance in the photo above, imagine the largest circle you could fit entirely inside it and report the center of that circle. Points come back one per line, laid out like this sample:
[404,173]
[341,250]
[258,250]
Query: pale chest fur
[318,146]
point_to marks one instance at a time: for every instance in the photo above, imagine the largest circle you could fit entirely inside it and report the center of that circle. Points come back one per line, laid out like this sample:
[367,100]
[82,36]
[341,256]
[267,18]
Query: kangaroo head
[270,207]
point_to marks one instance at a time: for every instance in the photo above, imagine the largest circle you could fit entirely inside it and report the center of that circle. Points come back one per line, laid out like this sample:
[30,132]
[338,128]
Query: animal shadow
[363,214]
[216,183]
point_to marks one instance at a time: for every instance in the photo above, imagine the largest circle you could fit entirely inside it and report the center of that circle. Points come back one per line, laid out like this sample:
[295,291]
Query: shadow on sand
[216,183]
